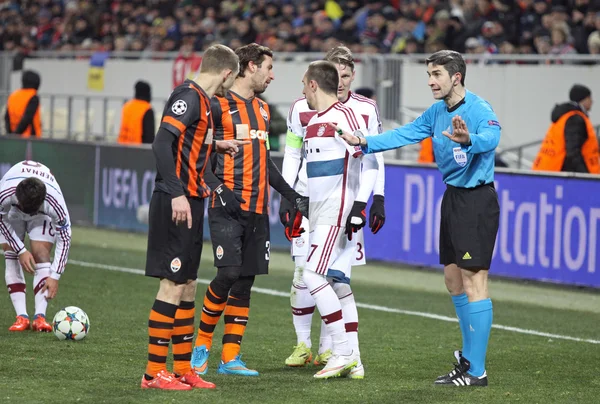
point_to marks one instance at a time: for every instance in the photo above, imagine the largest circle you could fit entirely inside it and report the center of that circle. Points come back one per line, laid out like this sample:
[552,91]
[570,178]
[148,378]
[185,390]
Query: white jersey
[332,167]
[54,207]
[300,114]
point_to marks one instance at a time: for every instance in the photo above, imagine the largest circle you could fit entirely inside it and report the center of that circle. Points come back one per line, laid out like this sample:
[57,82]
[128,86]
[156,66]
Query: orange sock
[211,313]
[183,338]
[236,318]
[160,329]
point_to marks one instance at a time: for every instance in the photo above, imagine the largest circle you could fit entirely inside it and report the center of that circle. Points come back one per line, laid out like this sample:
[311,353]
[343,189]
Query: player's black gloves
[301,204]
[357,219]
[377,214]
[286,209]
[293,228]
[229,200]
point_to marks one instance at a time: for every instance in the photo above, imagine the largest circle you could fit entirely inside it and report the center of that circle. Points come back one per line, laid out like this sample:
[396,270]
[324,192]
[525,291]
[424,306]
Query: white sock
[15,281]
[42,271]
[330,309]
[344,293]
[303,305]
[325,338]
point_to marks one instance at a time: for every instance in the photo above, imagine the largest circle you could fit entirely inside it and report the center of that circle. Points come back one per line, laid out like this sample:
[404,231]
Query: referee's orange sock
[211,313]
[160,329]
[236,319]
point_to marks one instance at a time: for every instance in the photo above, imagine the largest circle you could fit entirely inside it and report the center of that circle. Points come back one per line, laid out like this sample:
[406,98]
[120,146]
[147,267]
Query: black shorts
[243,241]
[173,251]
[469,225]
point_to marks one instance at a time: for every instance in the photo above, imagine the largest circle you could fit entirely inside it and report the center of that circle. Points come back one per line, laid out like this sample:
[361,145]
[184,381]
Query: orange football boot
[164,381]
[21,324]
[192,379]
[40,324]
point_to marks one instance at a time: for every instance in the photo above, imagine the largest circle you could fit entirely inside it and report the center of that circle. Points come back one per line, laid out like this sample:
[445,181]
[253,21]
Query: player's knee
[242,287]
[169,291]
[298,276]
[189,291]
[227,276]
[6,247]
[41,251]
[313,280]
[342,290]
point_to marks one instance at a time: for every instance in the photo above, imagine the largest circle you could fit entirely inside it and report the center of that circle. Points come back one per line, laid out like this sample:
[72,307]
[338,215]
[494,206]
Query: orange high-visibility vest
[553,150]
[16,105]
[426,153]
[132,118]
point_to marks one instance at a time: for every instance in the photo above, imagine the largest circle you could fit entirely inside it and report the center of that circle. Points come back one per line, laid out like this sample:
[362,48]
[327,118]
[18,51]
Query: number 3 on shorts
[268,252]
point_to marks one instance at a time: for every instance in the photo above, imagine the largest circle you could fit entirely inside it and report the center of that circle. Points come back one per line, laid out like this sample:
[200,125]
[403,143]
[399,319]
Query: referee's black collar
[458,104]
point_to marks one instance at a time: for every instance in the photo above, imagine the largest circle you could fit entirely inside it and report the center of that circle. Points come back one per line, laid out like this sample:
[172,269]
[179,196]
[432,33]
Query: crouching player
[32,203]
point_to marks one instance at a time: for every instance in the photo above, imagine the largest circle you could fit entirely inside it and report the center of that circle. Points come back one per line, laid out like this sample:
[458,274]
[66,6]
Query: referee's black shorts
[470,219]
[242,241]
[173,250]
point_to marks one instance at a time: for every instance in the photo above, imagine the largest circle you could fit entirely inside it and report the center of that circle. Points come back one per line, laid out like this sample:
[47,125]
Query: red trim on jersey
[305,117]
[325,246]
[293,106]
[347,99]
[324,268]
[320,114]
[350,117]
[360,98]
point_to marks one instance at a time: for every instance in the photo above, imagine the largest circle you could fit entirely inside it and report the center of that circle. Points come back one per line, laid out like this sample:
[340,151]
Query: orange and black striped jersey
[247,174]
[187,115]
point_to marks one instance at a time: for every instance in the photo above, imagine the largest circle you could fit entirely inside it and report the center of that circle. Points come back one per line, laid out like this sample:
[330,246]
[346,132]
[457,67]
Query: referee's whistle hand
[181,211]
[347,137]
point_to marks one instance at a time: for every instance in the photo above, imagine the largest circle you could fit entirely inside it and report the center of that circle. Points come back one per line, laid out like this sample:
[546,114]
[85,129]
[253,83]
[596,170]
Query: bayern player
[302,302]
[338,191]
[32,203]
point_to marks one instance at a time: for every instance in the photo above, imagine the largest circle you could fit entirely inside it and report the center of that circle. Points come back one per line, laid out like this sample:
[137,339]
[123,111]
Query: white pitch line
[433,316]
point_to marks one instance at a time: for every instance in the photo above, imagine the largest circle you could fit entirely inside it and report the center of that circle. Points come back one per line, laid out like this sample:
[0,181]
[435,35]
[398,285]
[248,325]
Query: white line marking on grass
[432,316]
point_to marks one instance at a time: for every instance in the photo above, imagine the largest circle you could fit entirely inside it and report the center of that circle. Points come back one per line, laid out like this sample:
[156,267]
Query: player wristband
[360,137]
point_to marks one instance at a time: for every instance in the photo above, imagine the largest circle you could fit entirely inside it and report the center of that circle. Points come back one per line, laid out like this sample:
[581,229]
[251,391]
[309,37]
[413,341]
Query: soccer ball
[71,323]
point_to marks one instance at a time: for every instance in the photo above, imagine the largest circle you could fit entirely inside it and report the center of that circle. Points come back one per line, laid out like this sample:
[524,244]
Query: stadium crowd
[554,27]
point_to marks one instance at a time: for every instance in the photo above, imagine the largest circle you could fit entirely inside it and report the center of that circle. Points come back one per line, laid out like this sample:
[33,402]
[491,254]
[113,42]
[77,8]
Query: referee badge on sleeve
[459,156]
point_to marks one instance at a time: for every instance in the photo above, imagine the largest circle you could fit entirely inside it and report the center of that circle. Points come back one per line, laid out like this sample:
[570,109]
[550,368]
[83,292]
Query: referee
[465,133]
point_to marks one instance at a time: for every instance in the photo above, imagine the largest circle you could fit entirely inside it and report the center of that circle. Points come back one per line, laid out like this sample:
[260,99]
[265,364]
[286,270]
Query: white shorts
[39,228]
[331,253]
[300,245]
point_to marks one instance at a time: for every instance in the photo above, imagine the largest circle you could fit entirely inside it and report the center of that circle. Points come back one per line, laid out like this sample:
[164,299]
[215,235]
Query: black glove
[229,200]
[286,210]
[302,205]
[293,228]
[357,219]
[377,214]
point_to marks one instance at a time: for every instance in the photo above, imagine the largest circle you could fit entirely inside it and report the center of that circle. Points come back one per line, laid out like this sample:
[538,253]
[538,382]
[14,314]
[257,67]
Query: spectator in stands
[22,115]
[571,143]
[137,117]
[381,26]
[594,43]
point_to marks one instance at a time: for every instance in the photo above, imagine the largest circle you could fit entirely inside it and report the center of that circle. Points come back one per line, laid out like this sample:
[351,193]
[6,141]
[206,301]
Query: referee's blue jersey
[461,166]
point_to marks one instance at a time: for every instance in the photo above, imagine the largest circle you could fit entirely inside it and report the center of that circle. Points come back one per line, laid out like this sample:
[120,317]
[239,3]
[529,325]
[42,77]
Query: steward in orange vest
[426,153]
[570,144]
[23,108]
[137,117]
